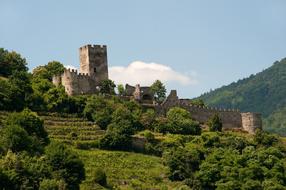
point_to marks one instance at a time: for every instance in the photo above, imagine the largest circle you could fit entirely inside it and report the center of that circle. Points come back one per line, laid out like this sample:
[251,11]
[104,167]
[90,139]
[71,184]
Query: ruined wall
[251,121]
[230,118]
[142,94]
[78,83]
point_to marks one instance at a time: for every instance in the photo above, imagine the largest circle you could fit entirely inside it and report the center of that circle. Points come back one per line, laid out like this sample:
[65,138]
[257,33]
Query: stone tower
[93,61]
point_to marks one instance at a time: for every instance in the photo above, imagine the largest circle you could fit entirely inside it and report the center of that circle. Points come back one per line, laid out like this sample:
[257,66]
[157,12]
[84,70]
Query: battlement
[93,47]
[231,118]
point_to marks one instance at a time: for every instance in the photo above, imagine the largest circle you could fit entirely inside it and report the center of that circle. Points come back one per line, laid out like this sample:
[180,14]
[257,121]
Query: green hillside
[263,92]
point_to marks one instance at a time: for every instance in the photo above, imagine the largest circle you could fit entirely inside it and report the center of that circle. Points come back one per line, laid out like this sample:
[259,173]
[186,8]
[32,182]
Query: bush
[99,176]
[182,162]
[65,164]
[118,136]
[32,124]
[264,138]
[16,139]
[215,123]
[99,110]
[52,184]
[178,121]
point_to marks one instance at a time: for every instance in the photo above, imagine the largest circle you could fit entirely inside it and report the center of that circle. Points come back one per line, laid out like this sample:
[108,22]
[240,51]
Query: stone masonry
[93,70]
[231,119]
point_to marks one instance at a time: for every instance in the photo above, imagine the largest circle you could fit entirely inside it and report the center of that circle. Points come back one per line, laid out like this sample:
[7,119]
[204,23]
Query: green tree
[215,123]
[120,89]
[159,91]
[182,162]
[31,123]
[198,102]
[11,62]
[179,121]
[15,138]
[65,164]
[99,110]
[107,87]
[48,71]
[20,90]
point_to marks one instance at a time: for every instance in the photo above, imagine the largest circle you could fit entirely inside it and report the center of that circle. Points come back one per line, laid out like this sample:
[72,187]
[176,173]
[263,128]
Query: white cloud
[70,67]
[142,73]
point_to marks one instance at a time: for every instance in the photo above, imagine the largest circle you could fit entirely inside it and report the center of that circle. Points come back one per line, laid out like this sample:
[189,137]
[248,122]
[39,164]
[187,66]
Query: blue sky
[194,46]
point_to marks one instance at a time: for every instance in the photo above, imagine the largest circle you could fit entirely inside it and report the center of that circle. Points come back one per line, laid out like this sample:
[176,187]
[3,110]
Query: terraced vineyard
[72,130]
[68,128]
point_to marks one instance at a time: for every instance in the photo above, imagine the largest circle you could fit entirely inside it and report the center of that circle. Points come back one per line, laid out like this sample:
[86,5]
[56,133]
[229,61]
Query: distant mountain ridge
[264,92]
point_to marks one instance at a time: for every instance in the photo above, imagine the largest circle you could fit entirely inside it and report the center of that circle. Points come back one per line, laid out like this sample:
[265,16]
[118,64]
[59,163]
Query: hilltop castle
[93,70]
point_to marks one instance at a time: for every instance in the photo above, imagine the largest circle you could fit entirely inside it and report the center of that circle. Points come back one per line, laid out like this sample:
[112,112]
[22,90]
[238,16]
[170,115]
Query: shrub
[16,139]
[32,124]
[65,164]
[52,184]
[215,123]
[99,176]
[264,138]
[182,162]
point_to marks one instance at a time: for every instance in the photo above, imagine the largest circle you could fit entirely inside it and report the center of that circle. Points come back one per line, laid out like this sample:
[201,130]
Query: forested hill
[264,92]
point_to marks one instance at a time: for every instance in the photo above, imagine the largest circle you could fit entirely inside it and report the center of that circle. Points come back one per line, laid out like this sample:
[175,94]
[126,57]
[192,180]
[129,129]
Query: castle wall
[230,118]
[78,83]
[251,121]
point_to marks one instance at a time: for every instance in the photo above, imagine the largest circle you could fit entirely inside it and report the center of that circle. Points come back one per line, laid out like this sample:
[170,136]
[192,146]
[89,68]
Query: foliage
[263,92]
[215,123]
[23,171]
[52,184]
[122,168]
[147,119]
[182,162]
[107,87]
[15,138]
[11,62]
[198,102]
[179,122]
[159,91]
[120,89]
[32,124]
[48,71]
[65,165]
[228,161]
[99,176]
[99,110]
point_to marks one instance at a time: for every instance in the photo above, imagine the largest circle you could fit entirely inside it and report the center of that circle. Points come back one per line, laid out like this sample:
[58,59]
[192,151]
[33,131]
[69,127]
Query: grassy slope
[126,170]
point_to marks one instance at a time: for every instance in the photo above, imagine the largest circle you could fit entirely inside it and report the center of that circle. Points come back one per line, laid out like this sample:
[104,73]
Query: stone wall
[93,69]
[78,83]
[251,121]
[230,118]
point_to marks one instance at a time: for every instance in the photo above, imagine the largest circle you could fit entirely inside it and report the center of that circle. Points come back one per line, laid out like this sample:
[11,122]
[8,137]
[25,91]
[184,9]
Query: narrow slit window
[94,70]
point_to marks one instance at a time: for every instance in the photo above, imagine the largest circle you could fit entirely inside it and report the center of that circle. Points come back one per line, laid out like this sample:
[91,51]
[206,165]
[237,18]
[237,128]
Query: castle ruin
[93,70]
[231,119]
